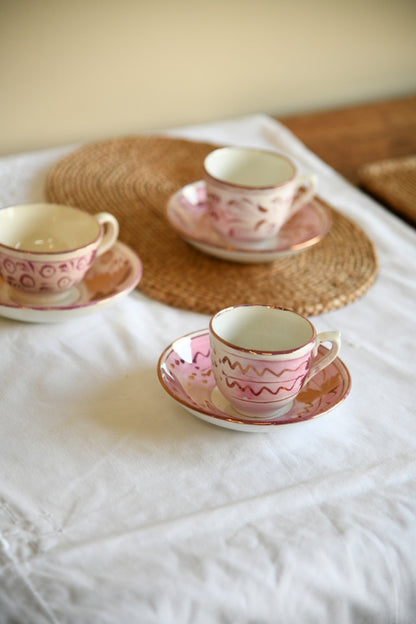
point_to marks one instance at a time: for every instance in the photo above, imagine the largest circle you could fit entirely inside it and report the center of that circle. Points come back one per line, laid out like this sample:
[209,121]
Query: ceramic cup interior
[249,167]
[262,328]
[46,228]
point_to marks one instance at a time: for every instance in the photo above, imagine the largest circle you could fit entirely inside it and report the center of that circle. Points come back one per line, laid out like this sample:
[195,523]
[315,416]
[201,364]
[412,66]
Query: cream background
[80,70]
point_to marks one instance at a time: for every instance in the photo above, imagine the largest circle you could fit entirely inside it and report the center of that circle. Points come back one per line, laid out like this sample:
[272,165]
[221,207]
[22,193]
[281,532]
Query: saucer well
[185,372]
[188,215]
[112,276]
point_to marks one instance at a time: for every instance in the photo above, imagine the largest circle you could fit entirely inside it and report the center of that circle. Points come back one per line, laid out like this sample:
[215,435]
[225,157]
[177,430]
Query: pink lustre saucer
[185,372]
[188,215]
[112,276]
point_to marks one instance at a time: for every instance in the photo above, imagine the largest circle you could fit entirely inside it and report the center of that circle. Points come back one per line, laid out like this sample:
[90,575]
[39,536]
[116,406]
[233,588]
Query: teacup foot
[223,404]
[68,297]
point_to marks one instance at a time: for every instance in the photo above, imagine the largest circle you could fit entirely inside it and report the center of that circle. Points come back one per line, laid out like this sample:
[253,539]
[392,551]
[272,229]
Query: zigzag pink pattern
[248,387]
[197,354]
[244,370]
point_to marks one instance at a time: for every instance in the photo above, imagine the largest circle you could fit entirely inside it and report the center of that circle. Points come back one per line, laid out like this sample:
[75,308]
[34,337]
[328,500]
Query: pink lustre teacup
[251,193]
[46,249]
[262,356]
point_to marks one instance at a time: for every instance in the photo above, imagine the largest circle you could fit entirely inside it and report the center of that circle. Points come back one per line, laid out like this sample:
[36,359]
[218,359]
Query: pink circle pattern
[38,276]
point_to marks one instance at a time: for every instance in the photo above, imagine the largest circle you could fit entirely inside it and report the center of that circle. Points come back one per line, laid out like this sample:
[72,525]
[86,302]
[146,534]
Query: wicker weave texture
[393,181]
[133,178]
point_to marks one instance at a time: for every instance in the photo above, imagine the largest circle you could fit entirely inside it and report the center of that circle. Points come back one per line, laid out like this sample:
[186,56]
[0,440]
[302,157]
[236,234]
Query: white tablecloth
[118,506]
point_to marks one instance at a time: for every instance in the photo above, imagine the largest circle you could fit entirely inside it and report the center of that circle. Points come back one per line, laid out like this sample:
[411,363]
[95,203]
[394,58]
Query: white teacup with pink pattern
[46,249]
[262,356]
[251,193]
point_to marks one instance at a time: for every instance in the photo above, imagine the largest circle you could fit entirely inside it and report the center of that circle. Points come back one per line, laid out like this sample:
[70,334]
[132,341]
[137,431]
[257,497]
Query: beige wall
[77,70]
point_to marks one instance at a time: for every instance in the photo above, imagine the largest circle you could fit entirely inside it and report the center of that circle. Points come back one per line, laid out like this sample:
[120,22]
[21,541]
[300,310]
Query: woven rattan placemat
[393,181]
[133,177]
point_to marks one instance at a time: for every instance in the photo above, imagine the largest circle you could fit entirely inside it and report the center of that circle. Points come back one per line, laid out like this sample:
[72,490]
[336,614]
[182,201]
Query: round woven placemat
[133,177]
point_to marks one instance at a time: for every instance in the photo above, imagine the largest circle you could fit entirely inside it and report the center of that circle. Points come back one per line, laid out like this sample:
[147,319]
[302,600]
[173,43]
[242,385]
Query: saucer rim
[23,312]
[247,251]
[241,421]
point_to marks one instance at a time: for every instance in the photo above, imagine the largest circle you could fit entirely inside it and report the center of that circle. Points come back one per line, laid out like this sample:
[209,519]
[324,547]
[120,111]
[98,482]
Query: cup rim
[50,254]
[250,187]
[262,351]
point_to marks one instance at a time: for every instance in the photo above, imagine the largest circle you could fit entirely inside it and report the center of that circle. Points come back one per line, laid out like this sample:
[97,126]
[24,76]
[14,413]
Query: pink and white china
[187,213]
[46,249]
[113,275]
[262,356]
[251,193]
[185,372]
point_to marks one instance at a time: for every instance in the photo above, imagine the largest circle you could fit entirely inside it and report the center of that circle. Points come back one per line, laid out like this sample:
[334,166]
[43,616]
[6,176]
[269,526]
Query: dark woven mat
[393,181]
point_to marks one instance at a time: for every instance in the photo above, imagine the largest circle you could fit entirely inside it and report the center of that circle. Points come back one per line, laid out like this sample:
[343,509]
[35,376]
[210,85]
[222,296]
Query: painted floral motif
[247,219]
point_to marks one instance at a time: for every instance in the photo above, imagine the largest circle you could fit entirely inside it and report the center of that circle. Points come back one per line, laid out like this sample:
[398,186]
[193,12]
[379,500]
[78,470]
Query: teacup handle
[308,184]
[318,364]
[111,229]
